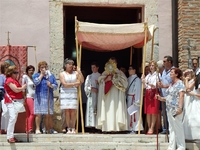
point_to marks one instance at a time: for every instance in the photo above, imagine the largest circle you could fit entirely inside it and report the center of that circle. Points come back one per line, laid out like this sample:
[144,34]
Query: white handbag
[18,104]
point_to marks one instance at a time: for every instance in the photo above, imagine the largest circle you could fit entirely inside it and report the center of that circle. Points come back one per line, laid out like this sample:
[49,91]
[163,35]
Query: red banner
[15,55]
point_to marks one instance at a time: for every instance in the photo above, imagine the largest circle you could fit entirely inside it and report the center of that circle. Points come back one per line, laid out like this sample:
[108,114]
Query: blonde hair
[155,65]
[40,64]
[10,71]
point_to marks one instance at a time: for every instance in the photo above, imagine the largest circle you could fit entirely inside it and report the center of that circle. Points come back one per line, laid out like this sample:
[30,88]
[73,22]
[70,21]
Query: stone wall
[189,27]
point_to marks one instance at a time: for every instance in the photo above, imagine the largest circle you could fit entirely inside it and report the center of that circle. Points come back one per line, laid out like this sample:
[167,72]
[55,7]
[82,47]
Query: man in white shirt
[133,98]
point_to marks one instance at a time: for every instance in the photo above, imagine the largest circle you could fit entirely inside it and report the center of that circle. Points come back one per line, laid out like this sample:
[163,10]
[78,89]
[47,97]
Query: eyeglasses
[30,70]
[15,72]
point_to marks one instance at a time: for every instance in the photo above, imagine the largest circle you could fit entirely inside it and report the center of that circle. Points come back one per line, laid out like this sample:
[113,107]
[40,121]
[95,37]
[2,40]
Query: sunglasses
[15,72]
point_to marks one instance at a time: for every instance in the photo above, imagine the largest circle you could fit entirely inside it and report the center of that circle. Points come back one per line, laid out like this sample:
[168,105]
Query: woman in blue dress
[45,85]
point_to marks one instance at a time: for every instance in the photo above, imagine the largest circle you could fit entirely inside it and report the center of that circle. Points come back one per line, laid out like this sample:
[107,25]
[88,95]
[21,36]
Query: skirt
[151,104]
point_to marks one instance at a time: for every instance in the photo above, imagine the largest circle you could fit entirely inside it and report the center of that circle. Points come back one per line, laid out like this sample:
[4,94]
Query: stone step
[116,138]
[89,142]
[89,146]
[82,146]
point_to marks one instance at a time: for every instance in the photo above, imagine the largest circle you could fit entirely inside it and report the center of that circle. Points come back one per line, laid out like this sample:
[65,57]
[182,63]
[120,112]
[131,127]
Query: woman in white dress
[191,121]
[70,80]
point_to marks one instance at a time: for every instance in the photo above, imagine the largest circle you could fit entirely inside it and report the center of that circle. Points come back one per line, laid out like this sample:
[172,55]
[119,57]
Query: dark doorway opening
[106,15]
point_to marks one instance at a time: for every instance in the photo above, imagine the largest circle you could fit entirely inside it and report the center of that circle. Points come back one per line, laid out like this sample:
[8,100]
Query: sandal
[16,140]
[69,131]
[149,132]
[11,140]
[37,132]
[73,131]
[30,132]
[3,132]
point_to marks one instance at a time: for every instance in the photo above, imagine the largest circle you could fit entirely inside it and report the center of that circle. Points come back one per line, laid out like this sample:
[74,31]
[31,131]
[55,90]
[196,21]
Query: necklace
[69,76]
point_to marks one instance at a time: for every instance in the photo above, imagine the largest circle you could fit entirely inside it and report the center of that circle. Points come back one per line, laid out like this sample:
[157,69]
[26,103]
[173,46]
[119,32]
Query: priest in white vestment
[133,100]
[91,90]
[111,107]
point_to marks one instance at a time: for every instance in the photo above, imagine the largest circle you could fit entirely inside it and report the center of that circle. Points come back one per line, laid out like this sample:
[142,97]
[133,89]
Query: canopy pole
[152,44]
[143,68]
[80,92]
[77,62]
[79,97]
[131,55]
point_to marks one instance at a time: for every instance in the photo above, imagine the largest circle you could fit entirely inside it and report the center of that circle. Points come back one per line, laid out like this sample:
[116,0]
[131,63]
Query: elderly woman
[4,118]
[151,104]
[43,100]
[174,106]
[29,93]
[13,92]
[70,80]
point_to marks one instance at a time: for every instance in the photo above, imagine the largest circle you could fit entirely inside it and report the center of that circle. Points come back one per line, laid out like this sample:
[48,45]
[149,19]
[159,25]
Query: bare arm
[181,101]
[15,88]
[188,86]
[68,85]
[163,99]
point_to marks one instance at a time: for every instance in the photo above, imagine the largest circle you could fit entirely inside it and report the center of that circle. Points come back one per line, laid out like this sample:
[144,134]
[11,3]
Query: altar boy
[133,100]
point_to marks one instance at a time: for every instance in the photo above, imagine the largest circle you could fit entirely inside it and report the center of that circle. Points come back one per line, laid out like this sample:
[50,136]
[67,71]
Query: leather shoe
[163,132]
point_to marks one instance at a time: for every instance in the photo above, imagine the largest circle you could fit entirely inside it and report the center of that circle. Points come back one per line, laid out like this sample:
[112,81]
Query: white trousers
[4,116]
[176,131]
[12,118]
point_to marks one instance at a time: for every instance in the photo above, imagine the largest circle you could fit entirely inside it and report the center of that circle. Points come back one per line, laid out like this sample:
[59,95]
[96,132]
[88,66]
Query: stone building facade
[40,23]
[188,28]
[150,11]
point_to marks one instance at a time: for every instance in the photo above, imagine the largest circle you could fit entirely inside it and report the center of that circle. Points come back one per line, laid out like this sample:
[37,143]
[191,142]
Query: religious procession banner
[14,55]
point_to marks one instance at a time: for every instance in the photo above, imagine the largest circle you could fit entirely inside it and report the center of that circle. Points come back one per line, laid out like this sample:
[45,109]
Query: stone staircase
[89,142]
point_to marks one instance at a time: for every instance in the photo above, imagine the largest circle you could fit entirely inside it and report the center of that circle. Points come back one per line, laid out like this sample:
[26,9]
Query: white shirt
[30,90]
[151,79]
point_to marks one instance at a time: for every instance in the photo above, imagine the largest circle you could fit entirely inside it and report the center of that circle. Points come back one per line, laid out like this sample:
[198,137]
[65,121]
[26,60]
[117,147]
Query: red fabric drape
[15,55]
[110,42]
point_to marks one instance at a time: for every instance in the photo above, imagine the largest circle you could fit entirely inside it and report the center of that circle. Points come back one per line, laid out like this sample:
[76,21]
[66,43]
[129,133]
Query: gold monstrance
[110,67]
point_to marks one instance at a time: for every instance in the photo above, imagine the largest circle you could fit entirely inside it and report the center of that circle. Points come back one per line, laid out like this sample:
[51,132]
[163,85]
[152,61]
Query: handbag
[18,104]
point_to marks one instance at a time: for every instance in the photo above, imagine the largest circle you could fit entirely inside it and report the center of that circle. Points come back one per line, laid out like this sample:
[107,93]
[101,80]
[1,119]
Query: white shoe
[52,131]
[73,131]
[37,132]
[132,132]
[43,130]
[69,131]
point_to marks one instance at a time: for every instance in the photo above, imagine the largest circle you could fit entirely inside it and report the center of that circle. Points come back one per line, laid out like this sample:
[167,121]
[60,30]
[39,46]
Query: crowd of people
[171,99]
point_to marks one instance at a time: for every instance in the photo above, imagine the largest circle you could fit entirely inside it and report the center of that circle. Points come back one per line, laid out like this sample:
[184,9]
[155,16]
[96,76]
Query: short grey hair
[160,64]
[67,61]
